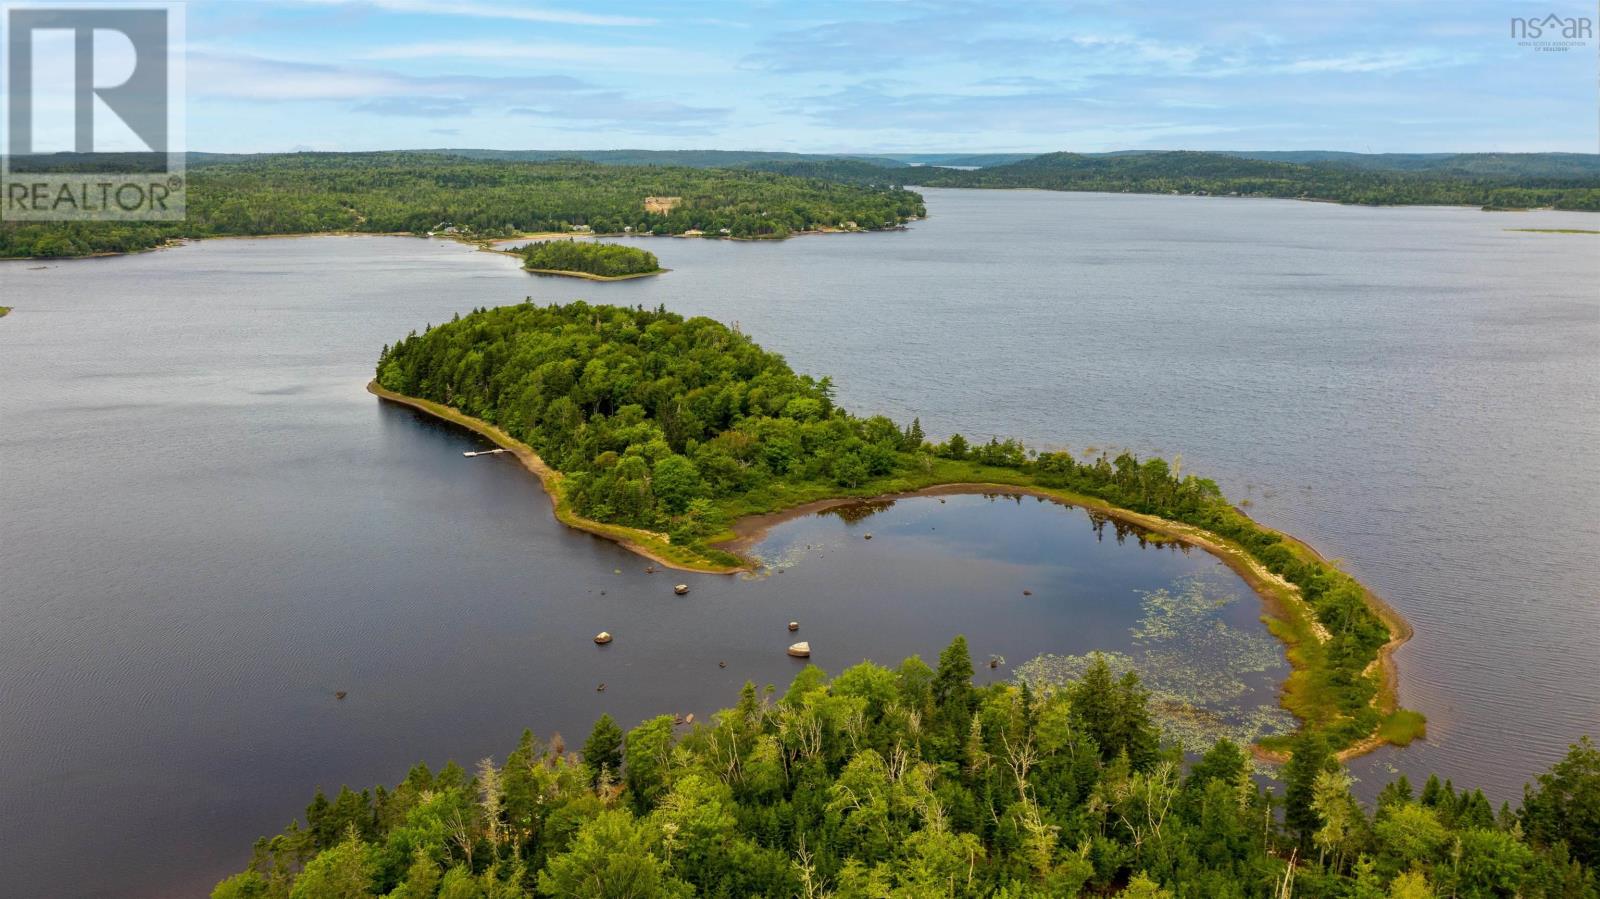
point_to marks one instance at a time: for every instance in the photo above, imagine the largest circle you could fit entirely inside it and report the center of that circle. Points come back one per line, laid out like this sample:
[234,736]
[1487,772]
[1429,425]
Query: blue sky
[884,75]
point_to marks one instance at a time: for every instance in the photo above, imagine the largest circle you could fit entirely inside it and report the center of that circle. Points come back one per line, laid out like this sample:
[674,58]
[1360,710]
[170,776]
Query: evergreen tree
[913,437]
[860,787]
[1564,807]
[602,752]
[1309,757]
[952,684]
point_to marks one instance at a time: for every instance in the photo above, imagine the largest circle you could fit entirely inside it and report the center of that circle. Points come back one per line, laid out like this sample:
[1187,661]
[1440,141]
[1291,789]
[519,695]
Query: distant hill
[1519,180]
[953,159]
[696,159]
[1560,180]
[860,170]
[848,171]
[1490,165]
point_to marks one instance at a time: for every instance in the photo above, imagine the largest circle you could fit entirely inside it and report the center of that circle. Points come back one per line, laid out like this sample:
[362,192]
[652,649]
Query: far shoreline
[1327,200]
[486,244]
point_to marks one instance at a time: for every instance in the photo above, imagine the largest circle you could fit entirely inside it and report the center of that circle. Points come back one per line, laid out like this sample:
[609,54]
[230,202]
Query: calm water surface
[207,527]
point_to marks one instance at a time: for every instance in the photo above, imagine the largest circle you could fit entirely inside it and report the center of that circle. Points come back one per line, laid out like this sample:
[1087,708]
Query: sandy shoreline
[645,543]
[587,276]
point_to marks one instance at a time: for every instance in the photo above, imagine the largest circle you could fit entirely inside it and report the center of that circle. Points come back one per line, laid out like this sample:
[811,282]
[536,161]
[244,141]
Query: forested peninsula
[1493,182]
[418,193]
[911,783]
[663,432]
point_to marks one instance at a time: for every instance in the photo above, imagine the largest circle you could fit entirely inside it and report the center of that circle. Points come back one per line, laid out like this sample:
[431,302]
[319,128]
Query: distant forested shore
[661,432]
[1493,182]
[487,194]
[415,193]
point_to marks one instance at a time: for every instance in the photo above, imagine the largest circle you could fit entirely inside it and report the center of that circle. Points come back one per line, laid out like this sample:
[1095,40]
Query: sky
[885,75]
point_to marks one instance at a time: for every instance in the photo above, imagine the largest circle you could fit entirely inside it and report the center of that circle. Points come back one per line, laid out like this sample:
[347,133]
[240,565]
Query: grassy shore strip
[4,311]
[1286,614]
[1555,230]
[654,546]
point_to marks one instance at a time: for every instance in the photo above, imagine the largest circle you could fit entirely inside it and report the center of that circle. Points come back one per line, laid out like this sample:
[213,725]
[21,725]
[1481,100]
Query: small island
[682,439]
[588,259]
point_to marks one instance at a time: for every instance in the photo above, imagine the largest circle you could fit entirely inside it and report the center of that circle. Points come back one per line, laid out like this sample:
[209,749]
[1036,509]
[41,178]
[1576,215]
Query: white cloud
[1385,61]
[555,98]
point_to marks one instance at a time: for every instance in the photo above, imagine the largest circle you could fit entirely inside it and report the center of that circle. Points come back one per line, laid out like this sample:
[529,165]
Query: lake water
[207,526]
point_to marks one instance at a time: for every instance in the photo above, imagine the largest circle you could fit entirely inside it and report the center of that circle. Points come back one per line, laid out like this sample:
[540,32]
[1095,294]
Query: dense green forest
[680,426]
[1495,165]
[607,260]
[911,782]
[416,193]
[1491,182]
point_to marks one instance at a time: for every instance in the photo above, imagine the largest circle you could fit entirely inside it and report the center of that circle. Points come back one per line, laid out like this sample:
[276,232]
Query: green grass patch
[1401,726]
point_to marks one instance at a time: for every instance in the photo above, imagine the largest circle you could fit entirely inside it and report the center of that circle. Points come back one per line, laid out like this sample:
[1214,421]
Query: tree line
[1507,186]
[414,193]
[606,259]
[912,783]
